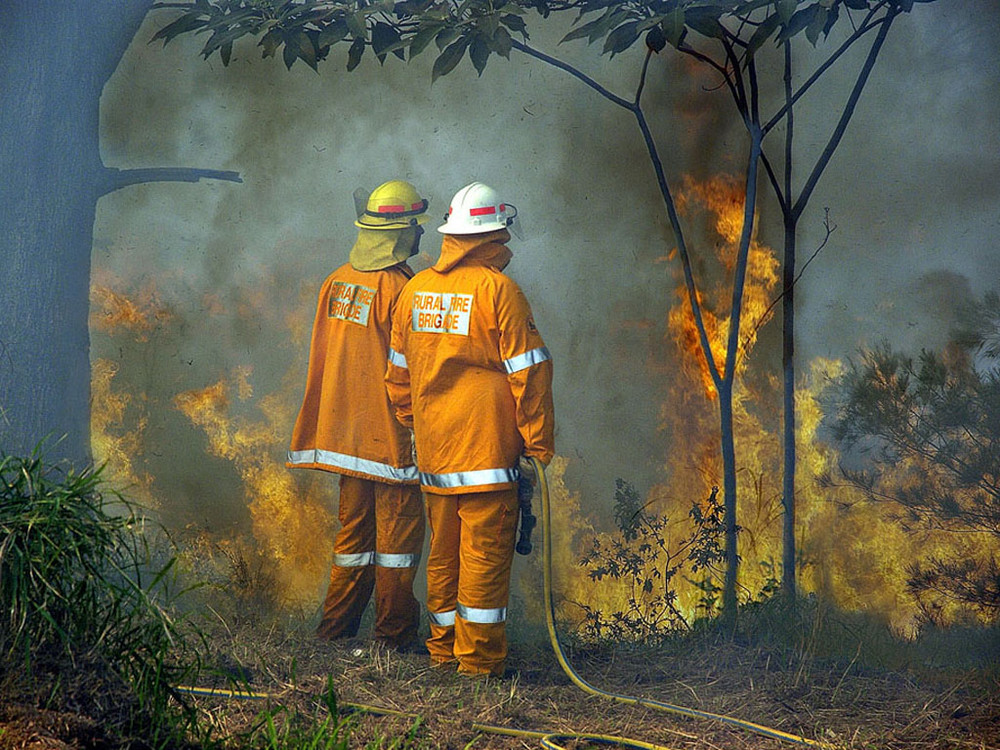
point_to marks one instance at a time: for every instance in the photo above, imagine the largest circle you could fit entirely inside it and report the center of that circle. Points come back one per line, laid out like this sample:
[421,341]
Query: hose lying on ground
[627,699]
[550,739]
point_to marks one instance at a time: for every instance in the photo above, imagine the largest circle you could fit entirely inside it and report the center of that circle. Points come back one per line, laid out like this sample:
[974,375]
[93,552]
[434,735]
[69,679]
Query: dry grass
[840,704]
[836,701]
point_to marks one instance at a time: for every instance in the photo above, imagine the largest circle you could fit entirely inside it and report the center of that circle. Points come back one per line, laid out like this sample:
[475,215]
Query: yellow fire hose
[551,739]
[626,699]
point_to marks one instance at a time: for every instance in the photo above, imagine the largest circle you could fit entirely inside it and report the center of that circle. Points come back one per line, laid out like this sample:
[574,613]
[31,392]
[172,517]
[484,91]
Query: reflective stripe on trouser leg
[352,576]
[486,550]
[399,523]
[442,575]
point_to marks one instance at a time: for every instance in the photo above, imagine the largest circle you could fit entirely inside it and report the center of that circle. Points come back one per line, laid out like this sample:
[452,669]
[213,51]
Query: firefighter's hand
[527,468]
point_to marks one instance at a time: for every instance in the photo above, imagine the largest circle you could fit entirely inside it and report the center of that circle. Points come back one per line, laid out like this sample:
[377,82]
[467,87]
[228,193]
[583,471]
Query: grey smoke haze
[913,192]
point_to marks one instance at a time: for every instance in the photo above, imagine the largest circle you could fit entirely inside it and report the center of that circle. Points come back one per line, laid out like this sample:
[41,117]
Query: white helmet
[477,209]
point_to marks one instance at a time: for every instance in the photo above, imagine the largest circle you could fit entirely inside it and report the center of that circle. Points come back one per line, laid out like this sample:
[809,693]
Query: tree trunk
[56,58]
[788,349]
[788,396]
[728,445]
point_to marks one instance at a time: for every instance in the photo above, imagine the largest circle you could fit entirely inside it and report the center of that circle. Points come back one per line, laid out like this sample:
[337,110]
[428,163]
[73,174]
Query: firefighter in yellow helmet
[470,373]
[346,425]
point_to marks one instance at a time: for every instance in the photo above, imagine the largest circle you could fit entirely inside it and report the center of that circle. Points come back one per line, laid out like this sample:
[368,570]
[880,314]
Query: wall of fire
[203,294]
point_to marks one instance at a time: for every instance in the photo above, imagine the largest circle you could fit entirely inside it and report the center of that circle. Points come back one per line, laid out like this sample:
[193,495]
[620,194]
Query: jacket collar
[475,249]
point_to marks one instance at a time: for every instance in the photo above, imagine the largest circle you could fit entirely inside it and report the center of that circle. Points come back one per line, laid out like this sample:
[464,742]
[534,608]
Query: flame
[722,199]
[289,526]
[112,311]
[852,552]
[115,446]
[689,416]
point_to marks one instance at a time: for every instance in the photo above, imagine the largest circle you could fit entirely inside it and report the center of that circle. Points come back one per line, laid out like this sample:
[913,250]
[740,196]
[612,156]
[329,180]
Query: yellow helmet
[393,205]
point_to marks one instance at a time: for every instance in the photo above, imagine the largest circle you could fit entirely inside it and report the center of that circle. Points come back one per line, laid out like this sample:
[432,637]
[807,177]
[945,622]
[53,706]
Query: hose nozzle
[525,490]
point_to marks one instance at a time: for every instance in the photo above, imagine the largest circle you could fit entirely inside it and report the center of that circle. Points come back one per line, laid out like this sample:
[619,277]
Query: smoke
[235,267]
[912,189]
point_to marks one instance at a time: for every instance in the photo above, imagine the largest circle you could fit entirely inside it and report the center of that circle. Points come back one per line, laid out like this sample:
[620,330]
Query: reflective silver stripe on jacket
[469,478]
[482,616]
[390,560]
[353,463]
[357,560]
[522,361]
[397,359]
[443,619]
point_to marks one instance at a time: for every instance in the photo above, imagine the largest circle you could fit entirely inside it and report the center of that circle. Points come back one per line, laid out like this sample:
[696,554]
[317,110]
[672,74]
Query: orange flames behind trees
[113,444]
[722,199]
[851,552]
[289,516]
[294,530]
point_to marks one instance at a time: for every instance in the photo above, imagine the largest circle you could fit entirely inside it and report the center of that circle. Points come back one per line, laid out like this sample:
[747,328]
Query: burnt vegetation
[96,645]
[99,644]
[925,432]
[641,556]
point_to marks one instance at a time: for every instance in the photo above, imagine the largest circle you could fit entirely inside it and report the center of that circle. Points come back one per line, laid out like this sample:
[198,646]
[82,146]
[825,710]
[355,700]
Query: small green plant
[280,728]
[639,555]
[79,585]
[772,580]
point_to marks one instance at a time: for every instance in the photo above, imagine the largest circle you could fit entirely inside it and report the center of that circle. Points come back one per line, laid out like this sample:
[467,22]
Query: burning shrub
[930,432]
[640,556]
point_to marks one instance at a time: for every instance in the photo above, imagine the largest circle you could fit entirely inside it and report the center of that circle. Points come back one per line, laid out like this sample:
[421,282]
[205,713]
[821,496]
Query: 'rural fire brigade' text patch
[350,302]
[442,312]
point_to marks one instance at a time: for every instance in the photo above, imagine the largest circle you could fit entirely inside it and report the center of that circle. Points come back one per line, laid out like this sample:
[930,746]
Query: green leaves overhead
[186,23]
[743,25]
[354,53]
[621,38]
[815,19]
[449,58]
[386,39]
[307,30]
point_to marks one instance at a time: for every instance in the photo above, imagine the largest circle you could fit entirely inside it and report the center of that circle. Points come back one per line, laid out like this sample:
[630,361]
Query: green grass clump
[88,621]
[80,590]
[280,728]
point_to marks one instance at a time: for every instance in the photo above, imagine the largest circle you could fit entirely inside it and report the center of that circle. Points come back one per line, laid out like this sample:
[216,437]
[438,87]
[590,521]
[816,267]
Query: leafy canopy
[307,29]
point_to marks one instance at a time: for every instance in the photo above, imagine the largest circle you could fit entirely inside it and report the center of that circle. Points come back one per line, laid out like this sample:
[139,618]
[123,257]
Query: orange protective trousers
[468,578]
[378,547]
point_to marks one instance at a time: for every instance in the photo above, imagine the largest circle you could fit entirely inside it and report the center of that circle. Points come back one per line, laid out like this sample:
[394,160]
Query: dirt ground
[398,700]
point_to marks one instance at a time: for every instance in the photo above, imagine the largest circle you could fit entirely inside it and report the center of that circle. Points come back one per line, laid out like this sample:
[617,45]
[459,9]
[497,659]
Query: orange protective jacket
[346,423]
[469,371]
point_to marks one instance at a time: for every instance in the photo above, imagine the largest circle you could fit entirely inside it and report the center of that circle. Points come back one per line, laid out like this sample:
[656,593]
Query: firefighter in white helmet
[346,425]
[469,372]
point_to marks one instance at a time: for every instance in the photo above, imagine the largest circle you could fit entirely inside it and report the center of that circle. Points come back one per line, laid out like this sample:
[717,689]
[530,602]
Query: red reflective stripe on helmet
[394,209]
[415,206]
[482,211]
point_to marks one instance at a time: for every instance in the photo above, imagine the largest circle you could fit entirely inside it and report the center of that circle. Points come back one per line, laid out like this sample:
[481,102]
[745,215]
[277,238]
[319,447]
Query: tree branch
[848,112]
[864,29]
[661,181]
[764,315]
[721,69]
[116,179]
[773,178]
[579,75]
